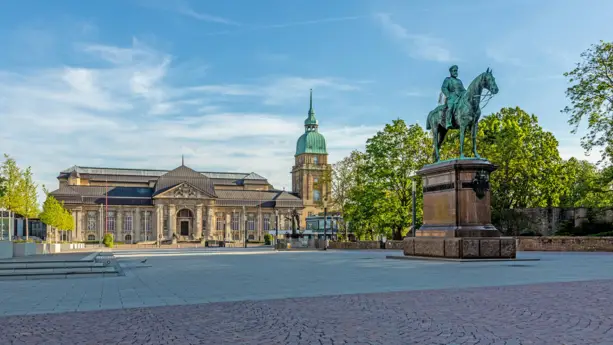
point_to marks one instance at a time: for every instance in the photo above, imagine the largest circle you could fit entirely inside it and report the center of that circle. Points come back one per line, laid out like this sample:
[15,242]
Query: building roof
[311,141]
[91,195]
[187,175]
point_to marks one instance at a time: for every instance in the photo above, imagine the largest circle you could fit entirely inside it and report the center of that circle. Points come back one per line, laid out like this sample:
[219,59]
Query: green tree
[341,179]
[2,186]
[11,198]
[28,201]
[55,215]
[585,185]
[393,156]
[591,97]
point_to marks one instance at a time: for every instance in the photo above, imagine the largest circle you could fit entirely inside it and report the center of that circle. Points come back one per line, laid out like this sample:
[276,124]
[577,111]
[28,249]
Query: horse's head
[489,82]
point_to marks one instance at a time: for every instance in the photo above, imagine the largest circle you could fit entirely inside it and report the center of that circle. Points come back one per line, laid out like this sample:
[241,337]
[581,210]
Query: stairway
[101,265]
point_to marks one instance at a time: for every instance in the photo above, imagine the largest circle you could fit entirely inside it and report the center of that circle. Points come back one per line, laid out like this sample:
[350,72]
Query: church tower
[311,163]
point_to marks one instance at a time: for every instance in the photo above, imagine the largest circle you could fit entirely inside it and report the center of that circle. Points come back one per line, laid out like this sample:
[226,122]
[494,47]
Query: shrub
[108,240]
[268,239]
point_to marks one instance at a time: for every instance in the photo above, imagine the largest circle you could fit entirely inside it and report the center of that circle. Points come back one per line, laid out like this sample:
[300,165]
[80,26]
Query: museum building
[143,205]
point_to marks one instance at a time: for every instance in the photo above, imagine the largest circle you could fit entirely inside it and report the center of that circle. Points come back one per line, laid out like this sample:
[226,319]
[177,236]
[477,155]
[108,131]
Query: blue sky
[137,83]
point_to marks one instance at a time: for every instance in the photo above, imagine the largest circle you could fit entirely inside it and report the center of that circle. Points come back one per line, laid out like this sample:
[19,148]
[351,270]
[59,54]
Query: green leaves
[54,214]
[11,198]
[591,97]
[380,198]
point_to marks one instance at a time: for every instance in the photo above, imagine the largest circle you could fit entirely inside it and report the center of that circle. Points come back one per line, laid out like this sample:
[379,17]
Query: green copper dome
[311,141]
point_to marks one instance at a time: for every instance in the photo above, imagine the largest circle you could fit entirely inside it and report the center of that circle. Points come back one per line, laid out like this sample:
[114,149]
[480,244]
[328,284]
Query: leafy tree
[530,171]
[28,201]
[341,178]
[393,156]
[55,215]
[2,186]
[11,198]
[586,187]
[591,97]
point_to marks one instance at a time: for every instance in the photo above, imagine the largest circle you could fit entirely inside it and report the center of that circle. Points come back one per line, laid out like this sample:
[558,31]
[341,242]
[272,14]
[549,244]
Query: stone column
[172,220]
[159,216]
[210,230]
[119,224]
[198,232]
[227,227]
[101,215]
[78,221]
[136,225]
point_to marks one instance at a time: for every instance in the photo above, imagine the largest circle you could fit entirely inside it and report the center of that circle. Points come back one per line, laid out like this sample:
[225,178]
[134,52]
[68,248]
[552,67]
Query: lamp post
[414,211]
[245,215]
[276,227]
[325,203]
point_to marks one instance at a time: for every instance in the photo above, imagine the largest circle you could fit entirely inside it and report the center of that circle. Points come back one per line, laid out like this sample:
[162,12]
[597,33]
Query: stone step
[59,276]
[56,271]
[31,261]
[46,264]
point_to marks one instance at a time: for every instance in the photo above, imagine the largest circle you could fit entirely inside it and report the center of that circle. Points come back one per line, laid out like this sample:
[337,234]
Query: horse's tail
[428,126]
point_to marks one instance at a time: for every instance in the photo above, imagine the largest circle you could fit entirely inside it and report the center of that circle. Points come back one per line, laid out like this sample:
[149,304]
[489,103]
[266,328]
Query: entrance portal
[184,228]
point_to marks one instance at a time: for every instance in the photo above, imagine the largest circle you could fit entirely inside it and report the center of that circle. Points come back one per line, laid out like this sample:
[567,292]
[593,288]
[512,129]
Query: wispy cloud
[188,11]
[183,8]
[502,55]
[251,28]
[126,112]
[419,46]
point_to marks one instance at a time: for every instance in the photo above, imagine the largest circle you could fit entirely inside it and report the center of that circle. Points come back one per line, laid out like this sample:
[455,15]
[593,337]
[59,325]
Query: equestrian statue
[460,108]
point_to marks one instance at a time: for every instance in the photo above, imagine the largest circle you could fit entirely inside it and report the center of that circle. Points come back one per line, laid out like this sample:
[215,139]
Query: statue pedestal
[457,214]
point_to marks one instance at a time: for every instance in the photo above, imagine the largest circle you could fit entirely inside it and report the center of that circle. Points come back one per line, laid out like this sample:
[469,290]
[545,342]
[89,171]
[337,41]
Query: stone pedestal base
[461,247]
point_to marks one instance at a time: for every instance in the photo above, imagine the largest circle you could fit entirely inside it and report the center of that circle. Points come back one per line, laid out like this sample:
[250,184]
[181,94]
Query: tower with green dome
[311,164]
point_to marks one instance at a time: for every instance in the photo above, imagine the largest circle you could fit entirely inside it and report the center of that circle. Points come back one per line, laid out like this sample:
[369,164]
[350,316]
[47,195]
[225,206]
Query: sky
[138,83]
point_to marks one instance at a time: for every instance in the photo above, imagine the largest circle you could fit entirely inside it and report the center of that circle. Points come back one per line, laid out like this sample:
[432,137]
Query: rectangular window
[147,221]
[316,195]
[91,221]
[251,222]
[110,219]
[266,221]
[127,222]
[220,221]
[235,221]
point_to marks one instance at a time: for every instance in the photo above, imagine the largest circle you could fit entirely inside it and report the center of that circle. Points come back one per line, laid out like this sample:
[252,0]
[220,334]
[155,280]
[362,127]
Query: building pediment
[183,191]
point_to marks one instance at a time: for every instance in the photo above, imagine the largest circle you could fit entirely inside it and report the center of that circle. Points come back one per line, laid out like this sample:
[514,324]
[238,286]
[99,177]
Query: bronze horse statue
[466,114]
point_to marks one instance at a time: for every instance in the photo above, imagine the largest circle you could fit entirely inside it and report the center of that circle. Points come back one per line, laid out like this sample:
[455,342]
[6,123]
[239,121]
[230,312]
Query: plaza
[258,296]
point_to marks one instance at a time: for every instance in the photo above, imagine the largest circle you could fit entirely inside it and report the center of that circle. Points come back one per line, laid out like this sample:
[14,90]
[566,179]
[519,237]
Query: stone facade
[182,204]
[547,221]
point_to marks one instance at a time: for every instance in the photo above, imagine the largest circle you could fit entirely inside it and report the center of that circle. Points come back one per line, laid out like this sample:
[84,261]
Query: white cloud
[126,112]
[419,46]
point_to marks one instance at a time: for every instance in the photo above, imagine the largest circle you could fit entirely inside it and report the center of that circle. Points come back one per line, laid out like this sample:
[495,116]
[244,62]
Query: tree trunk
[26,218]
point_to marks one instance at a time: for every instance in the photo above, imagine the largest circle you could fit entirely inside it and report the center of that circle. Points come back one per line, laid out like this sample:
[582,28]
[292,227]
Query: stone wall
[355,245]
[547,221]
[566,244]
[394,245]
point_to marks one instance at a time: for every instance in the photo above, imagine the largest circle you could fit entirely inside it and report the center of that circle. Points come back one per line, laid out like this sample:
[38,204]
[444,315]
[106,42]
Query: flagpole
[106,204]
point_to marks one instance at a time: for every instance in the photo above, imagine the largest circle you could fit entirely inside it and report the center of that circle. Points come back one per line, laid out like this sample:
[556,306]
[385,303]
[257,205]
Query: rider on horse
[453,89]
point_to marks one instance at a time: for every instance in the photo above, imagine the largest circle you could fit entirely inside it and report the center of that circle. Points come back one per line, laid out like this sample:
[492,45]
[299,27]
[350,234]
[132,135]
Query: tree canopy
[591,98]
[12,176]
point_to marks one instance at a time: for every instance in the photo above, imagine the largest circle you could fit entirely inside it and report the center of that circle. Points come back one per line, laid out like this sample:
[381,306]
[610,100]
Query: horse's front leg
[435,142]
[462,130]
[474,135]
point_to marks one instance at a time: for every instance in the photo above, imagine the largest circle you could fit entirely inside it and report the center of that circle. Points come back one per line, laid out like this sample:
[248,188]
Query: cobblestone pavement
[551,313]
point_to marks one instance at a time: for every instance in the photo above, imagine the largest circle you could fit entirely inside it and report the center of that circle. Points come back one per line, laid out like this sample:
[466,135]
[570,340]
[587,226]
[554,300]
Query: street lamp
[414,211]
[276,227]
[245,215]
[325,203]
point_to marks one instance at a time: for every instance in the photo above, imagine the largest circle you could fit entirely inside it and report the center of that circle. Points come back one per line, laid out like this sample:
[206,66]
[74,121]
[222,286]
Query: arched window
[128,238]
[251,237]
[91,237]
[185,213]
[316,160]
